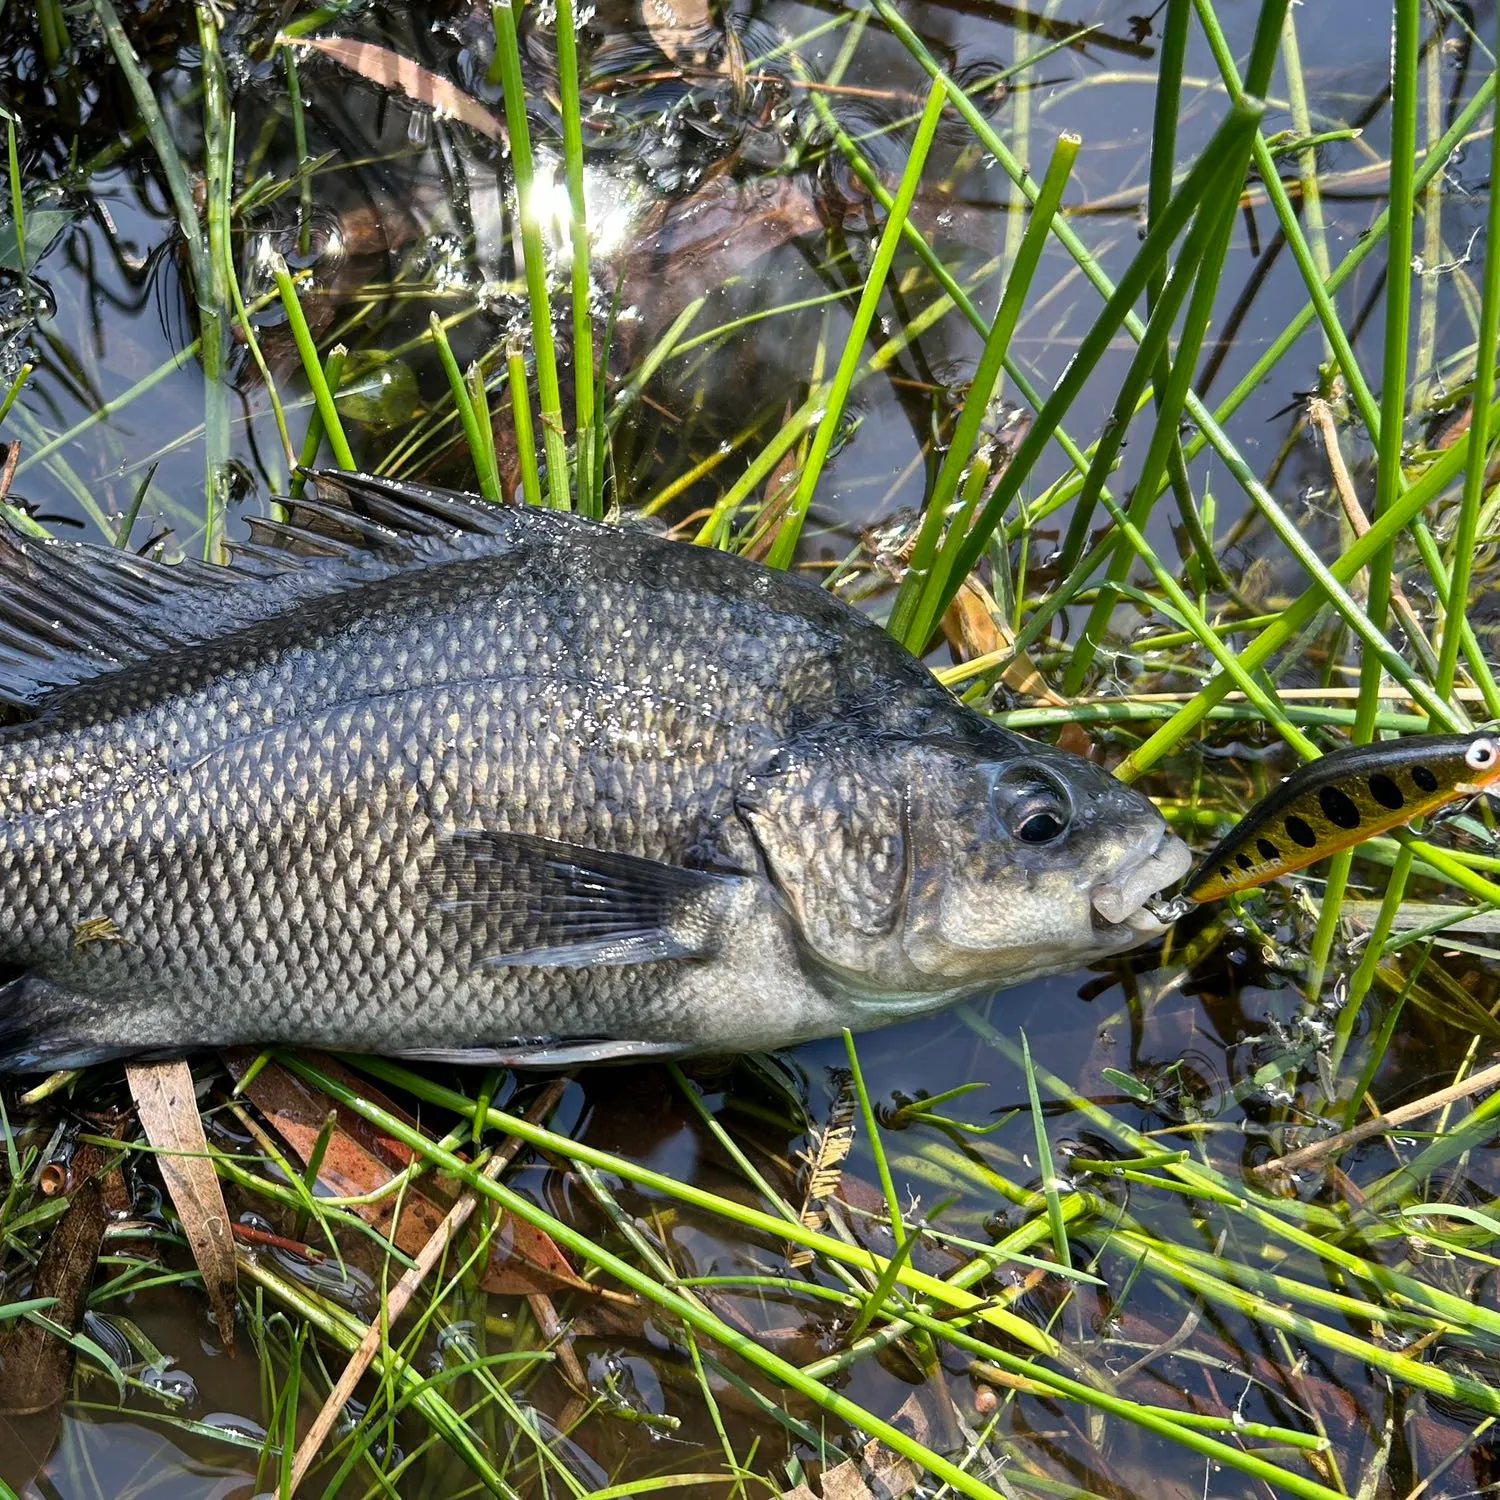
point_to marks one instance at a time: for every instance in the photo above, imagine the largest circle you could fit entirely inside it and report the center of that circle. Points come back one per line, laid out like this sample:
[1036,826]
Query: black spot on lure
[1340,800]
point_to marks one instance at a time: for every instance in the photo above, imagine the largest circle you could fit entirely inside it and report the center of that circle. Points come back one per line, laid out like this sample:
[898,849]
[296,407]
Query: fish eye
[1032,804]
[1481,755]
[1041,826]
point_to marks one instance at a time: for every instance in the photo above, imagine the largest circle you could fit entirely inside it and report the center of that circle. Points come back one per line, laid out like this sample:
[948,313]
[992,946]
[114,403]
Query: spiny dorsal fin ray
[72,611]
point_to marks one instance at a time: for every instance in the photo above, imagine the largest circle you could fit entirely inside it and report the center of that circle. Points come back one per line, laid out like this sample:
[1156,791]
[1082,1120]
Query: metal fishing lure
[1337,801]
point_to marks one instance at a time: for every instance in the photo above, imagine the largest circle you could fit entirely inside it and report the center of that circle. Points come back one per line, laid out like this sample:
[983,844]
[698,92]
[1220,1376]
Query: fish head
[1029,864]
[937,867]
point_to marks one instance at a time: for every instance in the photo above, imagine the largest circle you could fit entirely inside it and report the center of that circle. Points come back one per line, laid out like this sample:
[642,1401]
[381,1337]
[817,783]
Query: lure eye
[1032,804]
[1480,756]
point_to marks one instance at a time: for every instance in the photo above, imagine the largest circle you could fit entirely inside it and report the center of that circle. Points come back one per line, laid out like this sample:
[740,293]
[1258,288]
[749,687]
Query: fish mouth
[1121,901]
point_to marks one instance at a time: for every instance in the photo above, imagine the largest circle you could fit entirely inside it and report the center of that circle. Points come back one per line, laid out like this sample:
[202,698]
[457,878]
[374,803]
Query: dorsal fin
[72,611]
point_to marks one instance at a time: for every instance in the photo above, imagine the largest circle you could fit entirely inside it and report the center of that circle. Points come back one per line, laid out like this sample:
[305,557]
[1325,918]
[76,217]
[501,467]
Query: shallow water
[406,220]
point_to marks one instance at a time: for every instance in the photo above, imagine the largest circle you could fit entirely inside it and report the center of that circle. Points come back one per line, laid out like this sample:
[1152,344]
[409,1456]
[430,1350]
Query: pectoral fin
[516,899]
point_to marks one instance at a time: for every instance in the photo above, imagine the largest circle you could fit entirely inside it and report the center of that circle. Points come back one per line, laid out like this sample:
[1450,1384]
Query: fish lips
[1121,901]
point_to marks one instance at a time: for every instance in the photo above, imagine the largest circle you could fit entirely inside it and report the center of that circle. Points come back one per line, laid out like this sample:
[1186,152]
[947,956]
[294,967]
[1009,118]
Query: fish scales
[488,782]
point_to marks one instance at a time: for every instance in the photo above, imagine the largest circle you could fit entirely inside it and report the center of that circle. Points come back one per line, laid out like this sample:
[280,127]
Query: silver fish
[427,777]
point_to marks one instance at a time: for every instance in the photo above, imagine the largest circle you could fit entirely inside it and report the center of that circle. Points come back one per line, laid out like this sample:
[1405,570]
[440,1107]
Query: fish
[422,776]
[1340,800]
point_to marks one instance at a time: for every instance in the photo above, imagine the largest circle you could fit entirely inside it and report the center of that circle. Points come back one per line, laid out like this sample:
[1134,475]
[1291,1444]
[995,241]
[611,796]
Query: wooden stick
[1320,1151]
[405,1289]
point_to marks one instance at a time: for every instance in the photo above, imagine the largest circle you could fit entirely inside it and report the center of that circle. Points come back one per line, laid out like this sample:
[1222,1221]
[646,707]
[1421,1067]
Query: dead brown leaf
[168,1111]
[403,76]
[975,627]
[12,457]
[358,1160]
[525,1261]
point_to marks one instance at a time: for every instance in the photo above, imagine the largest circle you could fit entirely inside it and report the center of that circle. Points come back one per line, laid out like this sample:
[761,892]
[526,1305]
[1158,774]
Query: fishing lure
[1340,800]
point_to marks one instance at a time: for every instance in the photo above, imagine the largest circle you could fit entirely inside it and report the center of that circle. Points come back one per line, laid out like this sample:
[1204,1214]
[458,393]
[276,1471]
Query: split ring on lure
[1336,802]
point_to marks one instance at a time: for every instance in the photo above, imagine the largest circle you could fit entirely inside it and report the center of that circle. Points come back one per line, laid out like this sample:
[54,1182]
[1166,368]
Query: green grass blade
[312,367]
[206,282]
[686,1310]
[22,376]
[463,402]
[520,410]
[17,203]
[1199,268]
[915,611]
[784,549]
[312,439]
[479,403]
[533,253]
[1280,633]
[590,501]
[950,1292]
[1045,1167]
[1199,184]
[1456,605]
[1405,60]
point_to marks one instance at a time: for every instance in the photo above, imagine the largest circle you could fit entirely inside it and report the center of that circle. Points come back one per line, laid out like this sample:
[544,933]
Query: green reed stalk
[913,616]
[747,1217]
[479,401]
[1172,60]
[312,367]
[1445,467]
[506,70]
[1423,491]
[1199,268]
[223,247]
[218,171]
[16,385]
[929,258]
[1259,694]
[590,501]
[346,1331]
[1200,184]
[1424,375]
[206,280]
[299,142]
[520,410]
[1465,533]
[687,1310]
[312,439]
[1311,255]
[985,132]
[17,203]
[1310,184]
[56,42]
[465,406]
[784,549]
[1405,92]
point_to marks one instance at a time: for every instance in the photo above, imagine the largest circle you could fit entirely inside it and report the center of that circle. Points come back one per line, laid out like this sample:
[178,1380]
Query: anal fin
[544,1053]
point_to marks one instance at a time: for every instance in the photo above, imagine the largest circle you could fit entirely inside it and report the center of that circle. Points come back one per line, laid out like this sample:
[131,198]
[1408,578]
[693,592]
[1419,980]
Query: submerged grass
[1138,621]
